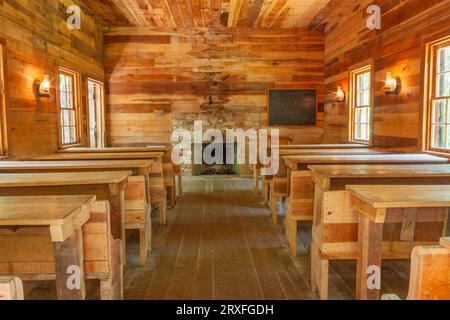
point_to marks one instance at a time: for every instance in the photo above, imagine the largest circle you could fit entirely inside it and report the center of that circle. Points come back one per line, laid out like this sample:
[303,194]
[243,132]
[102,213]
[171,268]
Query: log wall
[204,71]
[37,40]
[407,25]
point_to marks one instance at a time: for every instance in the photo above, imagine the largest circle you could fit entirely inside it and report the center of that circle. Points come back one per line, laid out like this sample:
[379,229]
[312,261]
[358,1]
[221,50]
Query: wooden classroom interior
[93,205]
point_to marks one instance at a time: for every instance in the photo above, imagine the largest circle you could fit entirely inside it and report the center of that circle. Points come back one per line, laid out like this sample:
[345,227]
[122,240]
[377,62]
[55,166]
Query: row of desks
[117,189]
[315,185]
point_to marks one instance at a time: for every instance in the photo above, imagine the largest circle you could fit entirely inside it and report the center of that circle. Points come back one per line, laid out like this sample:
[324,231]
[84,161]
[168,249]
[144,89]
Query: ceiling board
[204,13]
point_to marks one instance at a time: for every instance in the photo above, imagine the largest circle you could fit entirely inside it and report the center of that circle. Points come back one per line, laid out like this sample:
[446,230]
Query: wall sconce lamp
[391,84]
[43,88]
[340,95]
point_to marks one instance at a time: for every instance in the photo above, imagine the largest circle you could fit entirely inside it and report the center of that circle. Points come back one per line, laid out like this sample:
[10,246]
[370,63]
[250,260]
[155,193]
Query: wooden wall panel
[398,47]
[37,40]
[203,71]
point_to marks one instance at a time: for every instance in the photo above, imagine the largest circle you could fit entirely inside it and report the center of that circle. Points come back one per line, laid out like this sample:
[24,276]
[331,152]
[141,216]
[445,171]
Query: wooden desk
[63,216]
[377,206]
[323,146]
[335,225]
[105,185]
[140,170]
[155,156]
[257,167]
[300,202]
[276,187]
[116,149]
[161,175]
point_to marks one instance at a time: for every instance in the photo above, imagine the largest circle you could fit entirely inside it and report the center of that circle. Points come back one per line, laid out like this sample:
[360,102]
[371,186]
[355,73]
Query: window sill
[438,154]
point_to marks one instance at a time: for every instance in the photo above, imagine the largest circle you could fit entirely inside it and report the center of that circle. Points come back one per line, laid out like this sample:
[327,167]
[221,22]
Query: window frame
[102,136]
[354,73]
[430,87]
[4,142]
[76,95]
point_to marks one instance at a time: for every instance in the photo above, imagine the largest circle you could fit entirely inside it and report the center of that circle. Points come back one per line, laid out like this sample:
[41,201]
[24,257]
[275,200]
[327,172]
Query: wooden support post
[274,208]
[370,237]
[255,178]
[162,206]
[67,254]
[408,224]
[180,185]
[292,236]
[319,273]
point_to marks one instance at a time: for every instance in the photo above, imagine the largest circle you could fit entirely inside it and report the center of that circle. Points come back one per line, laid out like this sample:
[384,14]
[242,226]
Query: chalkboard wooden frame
[292,89]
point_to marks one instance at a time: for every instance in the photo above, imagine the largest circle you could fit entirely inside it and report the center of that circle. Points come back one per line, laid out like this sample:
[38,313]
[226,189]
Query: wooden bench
[11,288]
[430,273]
[300,202]
[335,224]
[109,186]
[278,183]
[412,214]
[61,219]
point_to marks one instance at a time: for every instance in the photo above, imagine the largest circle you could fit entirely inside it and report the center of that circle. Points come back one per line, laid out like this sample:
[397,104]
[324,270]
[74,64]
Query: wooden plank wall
[178,70]
[37,40]
[397,47]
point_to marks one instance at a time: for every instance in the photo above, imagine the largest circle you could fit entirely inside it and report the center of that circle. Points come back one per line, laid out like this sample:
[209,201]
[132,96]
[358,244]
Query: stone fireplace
[221,120]
[221,168]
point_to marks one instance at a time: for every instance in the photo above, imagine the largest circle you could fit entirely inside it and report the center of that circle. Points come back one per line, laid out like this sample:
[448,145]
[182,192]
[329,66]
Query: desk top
[116,149]
[101,156]
[40,210]
[73,165]
[374,171]
[61,179]
[63,214]
[322,146]
[329,151]
[411,196]
[293,160]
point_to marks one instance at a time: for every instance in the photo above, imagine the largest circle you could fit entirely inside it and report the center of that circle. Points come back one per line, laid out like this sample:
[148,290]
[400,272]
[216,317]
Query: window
[361,105]
[3,127]
[439,93]
[69,118]
[95,113]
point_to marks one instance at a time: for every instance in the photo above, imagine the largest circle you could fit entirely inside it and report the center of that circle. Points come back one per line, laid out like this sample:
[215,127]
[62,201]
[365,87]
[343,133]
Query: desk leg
[70,253]
[255,178]
[370,237]
[117,203]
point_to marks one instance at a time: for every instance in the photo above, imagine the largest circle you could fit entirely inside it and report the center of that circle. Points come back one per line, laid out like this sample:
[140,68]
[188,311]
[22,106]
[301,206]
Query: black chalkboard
[292,107]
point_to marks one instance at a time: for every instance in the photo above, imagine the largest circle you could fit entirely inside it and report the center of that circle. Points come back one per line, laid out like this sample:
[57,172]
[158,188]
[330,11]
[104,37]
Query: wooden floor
[221,244]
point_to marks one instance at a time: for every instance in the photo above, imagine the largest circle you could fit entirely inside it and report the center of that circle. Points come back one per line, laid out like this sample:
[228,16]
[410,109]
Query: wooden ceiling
[205,13]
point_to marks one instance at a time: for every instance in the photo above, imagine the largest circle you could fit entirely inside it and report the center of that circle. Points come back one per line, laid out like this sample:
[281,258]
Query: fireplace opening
[222,168]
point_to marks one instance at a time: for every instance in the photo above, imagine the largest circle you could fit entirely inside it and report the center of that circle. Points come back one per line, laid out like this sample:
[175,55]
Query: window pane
[62,99]
[364,132]
[439,111]
[69,84]
[365,115]
[66,135]
[69,101]
[357,131]
[358,115]
[62,83]
[73,138]
[72,120]
[438,138]
[443,82]
[366,81]
[444,60]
